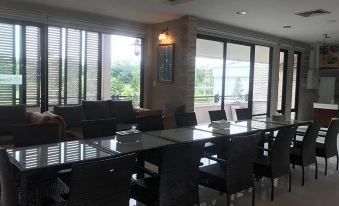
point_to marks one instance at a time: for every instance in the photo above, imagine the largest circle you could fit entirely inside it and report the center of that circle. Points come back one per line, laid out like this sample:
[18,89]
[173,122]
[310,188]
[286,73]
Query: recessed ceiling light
[241,12]
[287,27]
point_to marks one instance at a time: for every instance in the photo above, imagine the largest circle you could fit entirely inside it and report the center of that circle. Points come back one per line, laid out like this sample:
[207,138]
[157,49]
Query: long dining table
[40,161]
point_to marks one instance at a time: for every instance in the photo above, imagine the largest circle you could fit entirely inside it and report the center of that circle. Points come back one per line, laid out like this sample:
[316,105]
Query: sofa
[17,114]
[123,111]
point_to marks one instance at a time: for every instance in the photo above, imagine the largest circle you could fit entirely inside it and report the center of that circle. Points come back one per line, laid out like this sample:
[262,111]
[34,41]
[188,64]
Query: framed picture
[329,57]
[166,57]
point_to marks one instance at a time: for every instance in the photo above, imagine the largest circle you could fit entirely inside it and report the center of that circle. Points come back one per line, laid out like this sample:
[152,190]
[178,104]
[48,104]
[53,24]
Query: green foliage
[126,80]
[204,83]
[238,91]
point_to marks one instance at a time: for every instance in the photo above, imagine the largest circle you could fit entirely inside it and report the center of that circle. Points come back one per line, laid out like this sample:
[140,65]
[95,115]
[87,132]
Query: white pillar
[275,79]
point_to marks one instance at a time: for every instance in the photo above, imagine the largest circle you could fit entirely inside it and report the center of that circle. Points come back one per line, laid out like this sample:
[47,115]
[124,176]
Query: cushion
[11,115]
[54,118]
[123,111]
[37,118]
[96,110]
[72,115]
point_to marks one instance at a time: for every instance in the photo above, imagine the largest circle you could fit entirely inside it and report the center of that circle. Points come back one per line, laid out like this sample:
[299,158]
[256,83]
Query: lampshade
[163,34]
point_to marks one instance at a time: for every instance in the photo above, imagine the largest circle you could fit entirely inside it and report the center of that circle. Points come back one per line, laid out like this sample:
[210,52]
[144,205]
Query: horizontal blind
[7,62]
[32,66]
[73,67]
[92,65]
[54,65]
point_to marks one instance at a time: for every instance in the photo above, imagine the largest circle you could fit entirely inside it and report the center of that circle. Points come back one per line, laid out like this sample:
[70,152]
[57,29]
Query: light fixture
[163,34]
[137,47]
[241,12]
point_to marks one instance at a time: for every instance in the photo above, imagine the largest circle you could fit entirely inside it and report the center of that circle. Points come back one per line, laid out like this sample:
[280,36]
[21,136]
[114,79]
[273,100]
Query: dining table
[41,160]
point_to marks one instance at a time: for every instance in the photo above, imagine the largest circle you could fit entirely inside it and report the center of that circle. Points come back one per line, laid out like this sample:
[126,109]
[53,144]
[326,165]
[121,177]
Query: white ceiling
[267,16]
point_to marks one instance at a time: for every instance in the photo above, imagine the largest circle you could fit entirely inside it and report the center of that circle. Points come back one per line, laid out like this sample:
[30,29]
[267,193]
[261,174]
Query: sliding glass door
[231,75]
[237,78]
[209,65]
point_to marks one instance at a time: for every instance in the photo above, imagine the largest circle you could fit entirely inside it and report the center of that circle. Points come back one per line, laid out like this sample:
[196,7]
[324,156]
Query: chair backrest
[331,138]
[179,174]
[309,144]
[280,153]
[149,123]
[243,113]
[240,154]
[104,182]
[216,115]
[98,128]
[9,190]
[186,119]
[35,134]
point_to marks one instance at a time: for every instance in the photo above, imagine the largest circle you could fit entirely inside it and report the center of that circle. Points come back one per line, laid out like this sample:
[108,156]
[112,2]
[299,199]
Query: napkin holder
[222,124]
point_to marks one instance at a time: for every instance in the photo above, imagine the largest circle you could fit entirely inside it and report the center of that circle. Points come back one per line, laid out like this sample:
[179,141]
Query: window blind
[7,62]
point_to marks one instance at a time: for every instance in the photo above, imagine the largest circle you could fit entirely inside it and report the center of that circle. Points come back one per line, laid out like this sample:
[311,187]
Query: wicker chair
[216,115]
[98,128]
[186,119]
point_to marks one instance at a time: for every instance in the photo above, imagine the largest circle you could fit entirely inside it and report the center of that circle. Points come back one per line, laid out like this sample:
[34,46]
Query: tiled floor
[321,192]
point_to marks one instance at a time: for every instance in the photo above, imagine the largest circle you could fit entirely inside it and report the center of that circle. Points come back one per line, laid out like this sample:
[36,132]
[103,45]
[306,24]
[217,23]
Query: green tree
[238,90]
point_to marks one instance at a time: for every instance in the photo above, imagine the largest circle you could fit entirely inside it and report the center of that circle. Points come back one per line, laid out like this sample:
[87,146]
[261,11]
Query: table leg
[140,164]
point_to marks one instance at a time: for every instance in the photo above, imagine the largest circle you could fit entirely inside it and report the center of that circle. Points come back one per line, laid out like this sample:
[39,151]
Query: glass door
[237,78]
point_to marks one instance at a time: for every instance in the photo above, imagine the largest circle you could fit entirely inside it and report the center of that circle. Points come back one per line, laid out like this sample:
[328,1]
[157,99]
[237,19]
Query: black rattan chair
[329,149]
[303,153]
[177,182]
[234,172]
[243,113]
[150,123]
[186,119]
[98,128]
[277,162]
[35,134]
[216,115]
[102,182]
[9,187]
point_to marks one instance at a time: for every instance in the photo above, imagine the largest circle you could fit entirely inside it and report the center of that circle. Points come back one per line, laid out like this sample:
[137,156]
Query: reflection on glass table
[282,122]
[232,130]
[185,134]
[265,126]
[131,143]
[41,156]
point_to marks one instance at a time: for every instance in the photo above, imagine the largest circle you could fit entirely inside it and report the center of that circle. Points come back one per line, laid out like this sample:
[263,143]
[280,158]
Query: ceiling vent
[312,13]
[169,2]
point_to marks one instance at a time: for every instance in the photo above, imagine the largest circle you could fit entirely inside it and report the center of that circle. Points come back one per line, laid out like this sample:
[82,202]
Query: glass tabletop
[265,126]
[232,130]
[185,134]
[282,122]
[131,143]
[41,156]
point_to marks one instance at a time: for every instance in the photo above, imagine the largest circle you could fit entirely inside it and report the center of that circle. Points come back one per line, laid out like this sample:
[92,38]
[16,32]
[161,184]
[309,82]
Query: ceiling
[267,16]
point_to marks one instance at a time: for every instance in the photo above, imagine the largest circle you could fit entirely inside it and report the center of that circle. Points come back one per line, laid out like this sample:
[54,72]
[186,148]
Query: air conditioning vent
[312,13]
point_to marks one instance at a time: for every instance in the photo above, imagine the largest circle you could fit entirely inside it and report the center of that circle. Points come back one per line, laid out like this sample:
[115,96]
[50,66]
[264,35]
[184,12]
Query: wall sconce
[164,34]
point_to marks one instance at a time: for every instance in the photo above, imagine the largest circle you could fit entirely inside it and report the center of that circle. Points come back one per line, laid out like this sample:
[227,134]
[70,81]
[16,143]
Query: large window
[295,84]
[283,62]
[73,66]
[126,56]
[19,64]
[261,80]
[230,75]
[208,77]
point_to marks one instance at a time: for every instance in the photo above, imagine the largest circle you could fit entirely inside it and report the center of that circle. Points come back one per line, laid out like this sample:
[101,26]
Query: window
[261,80]
[231,75]
[73,66]
[126,53]
[295,84]
[283,63]
[208,77]
[20,64]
